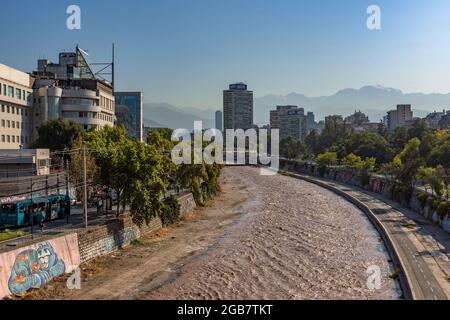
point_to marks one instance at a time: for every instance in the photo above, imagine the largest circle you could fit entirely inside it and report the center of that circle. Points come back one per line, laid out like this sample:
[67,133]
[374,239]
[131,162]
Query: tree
[351,160]
[327,159]
[430,177]
[292,148]
[312,142]
[368,145]
[410,161]
[76,166]
[398,138]
[57,134]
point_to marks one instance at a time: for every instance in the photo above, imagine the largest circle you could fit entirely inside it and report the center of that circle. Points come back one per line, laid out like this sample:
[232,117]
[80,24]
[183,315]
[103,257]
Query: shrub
[423,198]
[443,208]
[170,212]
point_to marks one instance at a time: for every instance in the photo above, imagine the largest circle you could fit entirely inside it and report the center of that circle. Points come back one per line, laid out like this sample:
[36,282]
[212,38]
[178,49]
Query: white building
[16,103]
[400,117]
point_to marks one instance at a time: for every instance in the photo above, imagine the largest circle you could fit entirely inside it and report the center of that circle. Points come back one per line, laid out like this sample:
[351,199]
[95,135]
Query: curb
[404,278]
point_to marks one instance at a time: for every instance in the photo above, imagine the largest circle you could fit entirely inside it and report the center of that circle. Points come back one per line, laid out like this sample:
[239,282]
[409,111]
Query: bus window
[8,208]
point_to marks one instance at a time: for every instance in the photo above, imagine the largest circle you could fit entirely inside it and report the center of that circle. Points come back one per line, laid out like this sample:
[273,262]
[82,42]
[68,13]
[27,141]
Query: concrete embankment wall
[105,239]
[376,183]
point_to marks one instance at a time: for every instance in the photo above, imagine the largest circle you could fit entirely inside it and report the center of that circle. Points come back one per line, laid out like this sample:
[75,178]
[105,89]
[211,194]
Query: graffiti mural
[33,266]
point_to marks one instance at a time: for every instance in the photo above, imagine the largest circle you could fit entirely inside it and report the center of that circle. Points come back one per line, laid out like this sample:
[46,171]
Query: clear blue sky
[185,52]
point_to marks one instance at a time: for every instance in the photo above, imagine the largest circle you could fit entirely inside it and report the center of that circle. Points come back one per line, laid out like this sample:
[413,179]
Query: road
[428,279]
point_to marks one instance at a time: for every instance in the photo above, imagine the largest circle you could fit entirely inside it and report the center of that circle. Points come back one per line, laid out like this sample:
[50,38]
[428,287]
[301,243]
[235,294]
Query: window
[8,124]
[3,123]
[22,140]
[12,110]
[14,124]
[23,95]
[18,93]
[3,138]
[17,125]
[17,139]
[4,89]
[10,92]
[13,139]
[7,109]
[3,108]
[8,138]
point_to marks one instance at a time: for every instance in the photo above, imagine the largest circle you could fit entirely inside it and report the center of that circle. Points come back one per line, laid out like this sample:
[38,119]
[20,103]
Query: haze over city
[185,52]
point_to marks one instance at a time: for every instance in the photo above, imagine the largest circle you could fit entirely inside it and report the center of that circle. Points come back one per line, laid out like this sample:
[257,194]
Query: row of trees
[409,155]
[139,173]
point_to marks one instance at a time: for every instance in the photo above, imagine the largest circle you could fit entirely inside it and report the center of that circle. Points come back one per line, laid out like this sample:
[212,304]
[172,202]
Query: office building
[237,107]
[219,120]
[70,90]
[291,121]
[129,113]
[400,117]
[16,102]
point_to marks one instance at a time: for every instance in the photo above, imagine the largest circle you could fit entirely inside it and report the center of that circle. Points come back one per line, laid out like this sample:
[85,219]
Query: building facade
[88,102]
[16,102]
[238,107]
[130,113]
[433,119]
[69,90]
[291,121]
[219,120]
[400,117]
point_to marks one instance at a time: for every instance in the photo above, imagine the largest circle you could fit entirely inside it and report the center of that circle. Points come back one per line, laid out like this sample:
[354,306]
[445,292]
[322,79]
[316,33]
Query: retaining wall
[104,239]
[377,184]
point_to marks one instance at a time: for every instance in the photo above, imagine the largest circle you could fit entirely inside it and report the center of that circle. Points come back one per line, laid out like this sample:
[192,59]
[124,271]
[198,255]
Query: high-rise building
[219,120]
[400,117]
[237,107]
[129,113]
[290,120]
[70,90]
[16,102]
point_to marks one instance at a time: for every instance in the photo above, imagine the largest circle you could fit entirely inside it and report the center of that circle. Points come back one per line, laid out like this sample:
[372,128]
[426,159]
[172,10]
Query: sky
[185,52]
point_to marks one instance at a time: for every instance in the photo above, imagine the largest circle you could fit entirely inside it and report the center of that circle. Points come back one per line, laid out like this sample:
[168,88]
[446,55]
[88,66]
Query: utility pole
[85,189]
[31,209]
[67,191]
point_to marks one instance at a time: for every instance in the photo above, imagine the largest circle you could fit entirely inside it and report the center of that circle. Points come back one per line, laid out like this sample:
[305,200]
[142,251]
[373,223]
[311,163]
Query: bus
[17,213]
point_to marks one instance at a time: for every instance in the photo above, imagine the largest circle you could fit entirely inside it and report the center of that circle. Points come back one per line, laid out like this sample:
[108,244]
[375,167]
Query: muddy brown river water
[295,241]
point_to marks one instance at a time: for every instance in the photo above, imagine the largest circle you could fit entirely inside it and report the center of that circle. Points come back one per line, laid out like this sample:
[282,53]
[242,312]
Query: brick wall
[104,239]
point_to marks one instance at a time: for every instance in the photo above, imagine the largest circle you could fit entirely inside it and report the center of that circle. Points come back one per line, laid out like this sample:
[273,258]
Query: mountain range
[372,100]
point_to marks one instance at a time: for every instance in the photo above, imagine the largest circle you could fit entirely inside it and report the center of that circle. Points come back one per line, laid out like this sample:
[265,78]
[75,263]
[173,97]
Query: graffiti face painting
[33,268]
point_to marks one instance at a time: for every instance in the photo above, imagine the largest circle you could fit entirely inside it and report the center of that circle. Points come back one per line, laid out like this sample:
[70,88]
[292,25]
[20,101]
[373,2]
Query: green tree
[430,177]
[312,142]
[368,145]
[292,148]
[57,134]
